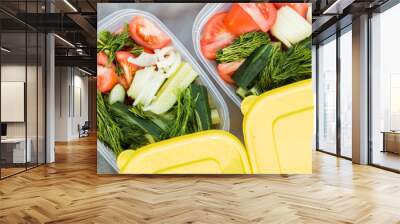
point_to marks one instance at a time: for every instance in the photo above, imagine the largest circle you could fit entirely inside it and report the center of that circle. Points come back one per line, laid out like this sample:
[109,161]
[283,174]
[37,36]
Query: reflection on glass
[327,96]
[346,94]
[386,89]
[13,84]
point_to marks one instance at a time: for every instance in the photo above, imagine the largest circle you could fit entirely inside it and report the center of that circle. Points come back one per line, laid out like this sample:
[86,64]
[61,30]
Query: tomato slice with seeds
[226,70]
[147,34]
[238,21]
[215,36]
[300,8]
[106,78]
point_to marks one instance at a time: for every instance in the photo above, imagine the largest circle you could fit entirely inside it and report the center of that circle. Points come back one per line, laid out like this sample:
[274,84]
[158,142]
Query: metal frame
[44,74]
[338,152]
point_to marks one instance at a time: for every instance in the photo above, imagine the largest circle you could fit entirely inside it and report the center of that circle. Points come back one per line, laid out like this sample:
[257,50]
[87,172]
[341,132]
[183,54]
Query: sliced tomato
[102,58]
[121,80]
[229,68]
[268,11]
[147,34]
[300,8]
[215,36]
[106,78]
[238,21]
[129,68]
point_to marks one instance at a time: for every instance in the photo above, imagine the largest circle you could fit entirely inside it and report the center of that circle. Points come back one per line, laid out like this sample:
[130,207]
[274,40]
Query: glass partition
[22,101]
[327,96]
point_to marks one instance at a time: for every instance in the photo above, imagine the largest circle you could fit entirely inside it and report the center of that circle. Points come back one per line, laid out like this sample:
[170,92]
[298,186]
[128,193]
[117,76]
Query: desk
[391,141]
[17,150]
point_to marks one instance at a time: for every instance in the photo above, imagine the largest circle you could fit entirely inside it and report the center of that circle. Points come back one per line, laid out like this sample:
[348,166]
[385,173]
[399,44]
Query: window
[385,89]
[327,96]
[346,93]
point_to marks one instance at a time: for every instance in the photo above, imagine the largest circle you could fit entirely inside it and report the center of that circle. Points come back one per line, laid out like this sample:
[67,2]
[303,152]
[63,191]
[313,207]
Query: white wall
[70,83]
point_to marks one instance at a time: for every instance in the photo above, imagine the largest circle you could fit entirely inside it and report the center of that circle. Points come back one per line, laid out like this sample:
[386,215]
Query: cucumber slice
[215,119]
[117,94]
[202,107]
[168,93]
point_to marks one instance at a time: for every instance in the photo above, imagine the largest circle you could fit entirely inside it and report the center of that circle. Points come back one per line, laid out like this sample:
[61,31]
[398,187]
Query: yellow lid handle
[247,103]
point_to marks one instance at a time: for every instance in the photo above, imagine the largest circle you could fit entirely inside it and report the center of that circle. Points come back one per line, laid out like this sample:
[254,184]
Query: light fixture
[70,5]
[5,50]
[337,7]
[64,40]
[84,71]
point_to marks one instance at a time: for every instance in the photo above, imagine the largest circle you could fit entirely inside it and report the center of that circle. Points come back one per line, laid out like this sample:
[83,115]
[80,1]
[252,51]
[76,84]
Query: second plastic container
[204,15]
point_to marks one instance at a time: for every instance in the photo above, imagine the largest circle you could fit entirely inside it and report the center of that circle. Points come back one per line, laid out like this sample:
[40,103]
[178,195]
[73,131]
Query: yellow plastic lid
[278,129]
[207,152]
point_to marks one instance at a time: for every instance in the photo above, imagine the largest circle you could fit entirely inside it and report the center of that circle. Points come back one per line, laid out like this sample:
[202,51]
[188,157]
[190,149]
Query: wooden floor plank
[70,191]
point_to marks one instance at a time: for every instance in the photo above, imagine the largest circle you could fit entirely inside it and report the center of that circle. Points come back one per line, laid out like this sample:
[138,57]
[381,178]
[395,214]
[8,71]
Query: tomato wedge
[300,8]
[269,12]
[102,58]
[215,36]
[147,34]
[238,21]
[106,78]
[129,68]
[226,70]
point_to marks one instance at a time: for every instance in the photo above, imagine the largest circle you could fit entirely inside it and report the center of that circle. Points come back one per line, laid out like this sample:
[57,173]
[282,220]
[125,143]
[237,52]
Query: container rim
[207,11]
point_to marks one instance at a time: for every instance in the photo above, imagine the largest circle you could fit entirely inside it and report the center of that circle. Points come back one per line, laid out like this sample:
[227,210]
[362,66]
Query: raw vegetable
[309,15]
[215,36]
[226,70]
[128,68]
[106,78]
[167,95]
[215,119]
[300,8]
[249,70]
[290,27]
[110,43]
[123,116]
[202,111]
[145,85]
[147,34]
[102,59]
[117,94]
[144,59]
[263,14]
[242,47]
[108,131]
[238,21]
[286,67]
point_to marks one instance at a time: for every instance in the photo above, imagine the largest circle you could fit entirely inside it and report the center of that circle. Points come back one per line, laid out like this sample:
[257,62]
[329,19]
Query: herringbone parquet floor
[69,191]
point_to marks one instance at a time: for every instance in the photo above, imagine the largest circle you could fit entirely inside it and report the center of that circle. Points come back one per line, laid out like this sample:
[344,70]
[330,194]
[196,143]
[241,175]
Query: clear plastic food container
[115,21]
[204,15]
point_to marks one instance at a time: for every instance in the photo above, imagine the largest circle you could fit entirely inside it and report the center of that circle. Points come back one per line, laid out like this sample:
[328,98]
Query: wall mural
[159,111]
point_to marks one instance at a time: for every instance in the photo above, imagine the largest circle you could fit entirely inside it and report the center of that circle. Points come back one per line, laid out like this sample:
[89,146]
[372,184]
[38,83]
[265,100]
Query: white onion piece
[168,60]
[290,27]
[144,59]
[172,69]
[139,82]
[147,85]
[309,14]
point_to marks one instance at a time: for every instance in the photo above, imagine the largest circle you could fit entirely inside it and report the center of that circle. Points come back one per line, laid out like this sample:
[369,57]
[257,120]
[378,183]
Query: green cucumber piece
[117,94]
[168,94]
[215,119]
[121,113]
[202,106]
[252,66]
